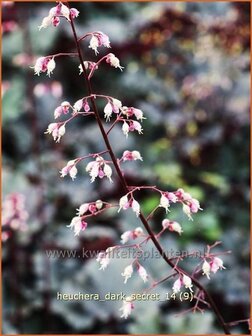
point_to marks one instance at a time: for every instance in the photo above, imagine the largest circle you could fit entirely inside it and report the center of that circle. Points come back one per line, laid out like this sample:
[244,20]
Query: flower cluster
[92,208]
[124,114]
[190,205]
[128,271]
[131,156]
[98,39]
[70,169]
[132,234]
[62,109]
[53,17]
[183,280]
[57,130]
[213,266]
[14,214]
[125,203]
[79,223]
[44,64]
[99,168]
[172,226]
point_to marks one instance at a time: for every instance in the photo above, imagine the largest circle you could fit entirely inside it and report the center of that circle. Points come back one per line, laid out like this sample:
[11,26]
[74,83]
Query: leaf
[13,100]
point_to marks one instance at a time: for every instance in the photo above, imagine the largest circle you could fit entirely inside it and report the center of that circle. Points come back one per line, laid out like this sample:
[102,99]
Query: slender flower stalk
[101,167]
[126,188]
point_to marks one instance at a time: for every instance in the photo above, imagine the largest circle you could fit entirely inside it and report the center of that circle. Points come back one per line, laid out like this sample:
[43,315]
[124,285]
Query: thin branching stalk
[127,188]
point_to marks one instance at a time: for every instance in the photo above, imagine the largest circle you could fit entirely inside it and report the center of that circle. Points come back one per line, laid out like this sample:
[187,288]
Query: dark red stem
[126,188]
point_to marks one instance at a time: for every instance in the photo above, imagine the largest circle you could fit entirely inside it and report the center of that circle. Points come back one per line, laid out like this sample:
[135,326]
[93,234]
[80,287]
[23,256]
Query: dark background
[187,67]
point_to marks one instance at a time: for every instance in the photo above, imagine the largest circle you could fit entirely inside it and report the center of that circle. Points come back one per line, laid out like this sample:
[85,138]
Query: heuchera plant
[105,165]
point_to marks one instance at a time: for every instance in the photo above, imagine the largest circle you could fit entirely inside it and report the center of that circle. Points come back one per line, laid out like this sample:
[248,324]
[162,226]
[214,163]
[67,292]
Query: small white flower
[65,170]
[94,44]
[137,156]
[51,127]
[65,11]
[127,273]
[125,128]
[46,22]
[127,307]
[138,232]
[108,111]
[177,286]
[187,211]
[136,207]
[80,67]
[57,112]
[70,163]
[82,209]
[187,282]
[117,103]
[114,61]
[93,169]
[175,226]
[164,202]
[99,204]
[217,264]
[40,65]
[142,273]
[50,67]
[125,237]
[74,13]
[78,225]
[73,172]
[165,223]
[206,268]
[78,105]
[138,114]
[137,127]
[104,260]
[61,132]
[172,197]
[123,203]
[108,172]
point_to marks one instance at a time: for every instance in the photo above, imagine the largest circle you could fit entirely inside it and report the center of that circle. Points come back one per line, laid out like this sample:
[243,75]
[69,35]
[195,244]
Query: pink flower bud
[92,208]
[55,21]
[86,106]
[74,13]
[65,106]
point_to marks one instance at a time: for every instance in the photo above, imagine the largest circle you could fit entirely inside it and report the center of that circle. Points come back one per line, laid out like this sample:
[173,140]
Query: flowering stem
[126,188]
